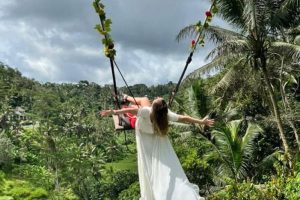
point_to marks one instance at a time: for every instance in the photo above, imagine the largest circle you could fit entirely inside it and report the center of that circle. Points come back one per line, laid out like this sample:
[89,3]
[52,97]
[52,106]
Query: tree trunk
[276,113]
[287,107]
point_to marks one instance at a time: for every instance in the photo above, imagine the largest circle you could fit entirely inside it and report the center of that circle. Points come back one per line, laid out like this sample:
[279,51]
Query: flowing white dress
[161,176]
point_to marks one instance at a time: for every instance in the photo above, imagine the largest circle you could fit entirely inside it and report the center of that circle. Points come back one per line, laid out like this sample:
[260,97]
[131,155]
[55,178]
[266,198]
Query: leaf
[100,30]
[286,49]
[107,24]
[187,31]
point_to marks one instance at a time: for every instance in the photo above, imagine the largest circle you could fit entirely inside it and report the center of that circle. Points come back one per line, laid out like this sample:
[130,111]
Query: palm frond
[234,150]
[216,64]
[269,160]
[286,49]
[289,13]
[252,15]
[181,126]
[184,135]
[234,127]
[221,174]
[230,112]
[218,35]
[229,76]
[186,32]
[231,11]
[192,102]
[224,144]
[289,4]
[228,48]
[248,139]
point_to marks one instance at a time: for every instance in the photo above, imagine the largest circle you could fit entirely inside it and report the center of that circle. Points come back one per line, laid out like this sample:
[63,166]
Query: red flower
[208,14]
[193,42]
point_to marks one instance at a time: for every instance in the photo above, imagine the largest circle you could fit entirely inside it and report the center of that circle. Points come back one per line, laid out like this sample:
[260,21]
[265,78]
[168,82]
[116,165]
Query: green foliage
[7,151]
[292,187]
[6,198]
[117,182]
[70,153]
[128,163]
[196,101]
[191,152]
[2,176]
[132,193]
[278,186]
[19,189]
[233,150]
[63,193]
[240,191]
[38,175]
[283,184]
[160,90]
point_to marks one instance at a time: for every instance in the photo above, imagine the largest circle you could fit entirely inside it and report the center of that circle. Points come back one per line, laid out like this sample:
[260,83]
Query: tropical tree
[260,35]
[233,150]
[195,100]
[287,78]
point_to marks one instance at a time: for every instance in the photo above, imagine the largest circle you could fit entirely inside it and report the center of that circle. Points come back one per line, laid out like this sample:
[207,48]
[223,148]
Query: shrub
[24,190]
[118,182]
[6,151]
[292,188]
[133,192]
[2,176]
[240,191]
[63,193]
[39,193]
[38,175]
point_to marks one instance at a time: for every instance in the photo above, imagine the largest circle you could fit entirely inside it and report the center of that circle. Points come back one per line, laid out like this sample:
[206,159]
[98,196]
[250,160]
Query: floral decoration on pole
[199,26]
[104,28]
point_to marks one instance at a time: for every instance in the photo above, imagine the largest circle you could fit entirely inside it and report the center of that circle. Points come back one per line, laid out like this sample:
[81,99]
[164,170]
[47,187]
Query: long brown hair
[159,117]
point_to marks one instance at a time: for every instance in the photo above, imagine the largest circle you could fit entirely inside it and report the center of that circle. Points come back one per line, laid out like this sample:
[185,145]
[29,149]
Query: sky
[55,40]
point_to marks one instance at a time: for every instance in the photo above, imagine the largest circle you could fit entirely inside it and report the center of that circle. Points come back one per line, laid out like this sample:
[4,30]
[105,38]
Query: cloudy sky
[55,40]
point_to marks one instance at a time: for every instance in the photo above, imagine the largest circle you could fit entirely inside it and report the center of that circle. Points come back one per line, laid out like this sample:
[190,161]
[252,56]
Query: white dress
[161,176]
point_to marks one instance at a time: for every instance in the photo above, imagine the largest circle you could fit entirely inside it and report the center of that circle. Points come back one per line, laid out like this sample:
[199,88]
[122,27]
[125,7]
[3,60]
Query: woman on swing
[161,176]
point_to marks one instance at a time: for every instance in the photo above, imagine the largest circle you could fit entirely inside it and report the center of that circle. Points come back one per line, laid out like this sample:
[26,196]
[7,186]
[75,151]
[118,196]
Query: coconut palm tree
[260,35]
[233,150]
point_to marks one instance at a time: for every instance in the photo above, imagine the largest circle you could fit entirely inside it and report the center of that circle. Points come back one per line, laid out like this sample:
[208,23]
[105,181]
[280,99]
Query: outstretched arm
[189,119]
[104,113]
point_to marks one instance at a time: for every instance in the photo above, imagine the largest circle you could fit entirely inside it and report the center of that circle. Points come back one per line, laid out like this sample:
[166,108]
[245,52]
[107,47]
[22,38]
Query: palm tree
[193,101]
[261,35]
[233,151]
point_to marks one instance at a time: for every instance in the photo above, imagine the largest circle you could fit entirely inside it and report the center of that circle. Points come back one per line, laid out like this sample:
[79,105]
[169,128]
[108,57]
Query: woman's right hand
[105,113]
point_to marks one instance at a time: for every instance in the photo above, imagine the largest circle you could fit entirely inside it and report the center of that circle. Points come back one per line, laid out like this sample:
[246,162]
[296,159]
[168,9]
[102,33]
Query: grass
[128,163]
[20,189]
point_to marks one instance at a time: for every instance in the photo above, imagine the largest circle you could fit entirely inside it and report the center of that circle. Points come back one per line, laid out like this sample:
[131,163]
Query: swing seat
[120,123]
[124,121]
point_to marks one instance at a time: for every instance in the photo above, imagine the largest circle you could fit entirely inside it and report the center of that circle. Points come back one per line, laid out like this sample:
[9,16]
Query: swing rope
[104,29]
[212,9]
[110,52]
[174,92]
[125,83]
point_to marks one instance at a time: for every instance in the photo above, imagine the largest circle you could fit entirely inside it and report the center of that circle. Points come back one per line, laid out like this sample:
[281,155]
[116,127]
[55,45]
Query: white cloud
[42,66]
[56,41]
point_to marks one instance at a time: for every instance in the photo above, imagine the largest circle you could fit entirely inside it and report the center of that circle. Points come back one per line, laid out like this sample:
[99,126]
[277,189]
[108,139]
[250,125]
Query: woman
[161,176]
